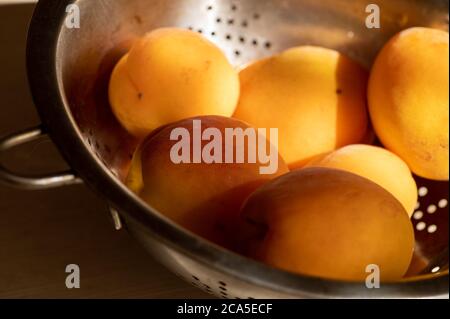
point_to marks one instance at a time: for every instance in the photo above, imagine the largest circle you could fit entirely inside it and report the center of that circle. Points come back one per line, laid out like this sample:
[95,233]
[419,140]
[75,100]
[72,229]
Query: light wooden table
[42,232]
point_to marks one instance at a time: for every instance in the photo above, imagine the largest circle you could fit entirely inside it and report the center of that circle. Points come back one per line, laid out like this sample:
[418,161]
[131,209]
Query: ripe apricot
[316,97]
[171,74]
[377,164]
[409,100]
[329,223]
[204,198]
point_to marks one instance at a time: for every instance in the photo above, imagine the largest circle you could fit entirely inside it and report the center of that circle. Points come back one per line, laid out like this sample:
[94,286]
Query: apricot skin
[329,223]
[204,198]
[409,100]
[377,164]
[316,97]
[171,74]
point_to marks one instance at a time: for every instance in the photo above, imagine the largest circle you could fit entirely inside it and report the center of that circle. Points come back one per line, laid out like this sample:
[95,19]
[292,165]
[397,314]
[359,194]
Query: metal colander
[69,70]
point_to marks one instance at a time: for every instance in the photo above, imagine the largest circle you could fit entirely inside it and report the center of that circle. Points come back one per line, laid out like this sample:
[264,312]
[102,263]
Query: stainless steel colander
[69,70]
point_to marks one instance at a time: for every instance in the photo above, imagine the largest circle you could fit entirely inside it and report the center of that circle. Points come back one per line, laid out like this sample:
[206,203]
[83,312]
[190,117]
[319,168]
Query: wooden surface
[42,232]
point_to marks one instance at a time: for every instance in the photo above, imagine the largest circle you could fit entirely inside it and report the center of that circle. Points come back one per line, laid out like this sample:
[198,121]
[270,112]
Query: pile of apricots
[336,203]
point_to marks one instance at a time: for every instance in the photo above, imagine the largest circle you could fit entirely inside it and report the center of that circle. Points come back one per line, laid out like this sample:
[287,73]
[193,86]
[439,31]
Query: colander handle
[31,182]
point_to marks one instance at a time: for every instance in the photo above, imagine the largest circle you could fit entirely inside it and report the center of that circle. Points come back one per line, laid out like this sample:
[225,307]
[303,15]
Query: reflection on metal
[117,221]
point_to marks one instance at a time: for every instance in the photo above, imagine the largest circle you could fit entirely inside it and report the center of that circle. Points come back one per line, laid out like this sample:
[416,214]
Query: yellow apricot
[329,223]
[204,198]
[377,164]
[171,74]
[316,97]
[409,100]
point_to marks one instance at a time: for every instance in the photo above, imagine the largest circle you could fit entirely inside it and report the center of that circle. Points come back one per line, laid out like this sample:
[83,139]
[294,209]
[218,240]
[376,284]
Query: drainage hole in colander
[423,191]
[431,209]
[432,229]
[244,24]
[443,203]
[421,226]
[435,269]
[229,37]
[418,215]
